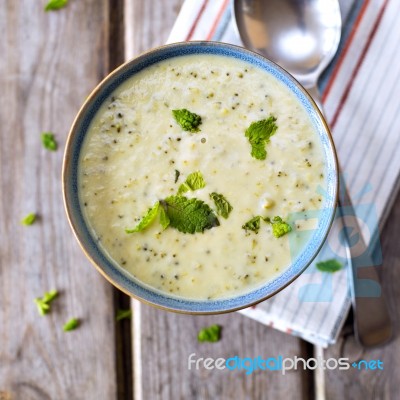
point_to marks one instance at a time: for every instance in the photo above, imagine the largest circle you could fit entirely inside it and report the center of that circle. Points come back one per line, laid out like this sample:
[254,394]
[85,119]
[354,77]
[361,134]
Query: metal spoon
[302,36]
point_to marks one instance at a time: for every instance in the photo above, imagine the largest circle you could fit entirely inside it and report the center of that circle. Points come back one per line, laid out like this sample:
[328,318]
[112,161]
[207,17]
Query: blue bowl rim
[121,278]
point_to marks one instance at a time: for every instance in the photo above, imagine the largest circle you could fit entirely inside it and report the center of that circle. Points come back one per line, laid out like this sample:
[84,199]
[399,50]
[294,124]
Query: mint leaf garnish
[146,220]
[189,215]
[48,141]
[29,219]
[259,133]
[71,325]
[194,181]
[43,308]
[164,219]
[258,151]
[253,224]
[331,265]
[55,5]
[223,206]
[210,334]
[187,120]
[123,314]
[48,297]
[279,227]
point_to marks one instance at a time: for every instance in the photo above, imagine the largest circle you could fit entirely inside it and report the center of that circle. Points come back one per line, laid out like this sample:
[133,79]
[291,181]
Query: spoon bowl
[302,36]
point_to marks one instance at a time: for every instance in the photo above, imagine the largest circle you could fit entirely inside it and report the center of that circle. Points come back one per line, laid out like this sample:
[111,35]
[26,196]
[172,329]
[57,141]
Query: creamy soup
[137,157]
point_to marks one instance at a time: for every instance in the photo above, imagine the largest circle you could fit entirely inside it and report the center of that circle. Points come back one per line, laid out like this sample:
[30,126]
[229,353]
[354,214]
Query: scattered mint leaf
[210,334]
[253,224]
[29,219]
[43,304]
[279,227]
[146,220]
[259,133]
[123,314]
[177,173]
[183,188]
[223,206]
[331,265]
[42,307]
[189,215]
[48,141]
[164,219]
[55,5]
[187,120]
[50,296]
[72,324]
[258,151]
[194,181]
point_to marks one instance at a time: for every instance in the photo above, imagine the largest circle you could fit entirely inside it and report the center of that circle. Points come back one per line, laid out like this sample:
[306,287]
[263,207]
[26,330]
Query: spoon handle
[372,323]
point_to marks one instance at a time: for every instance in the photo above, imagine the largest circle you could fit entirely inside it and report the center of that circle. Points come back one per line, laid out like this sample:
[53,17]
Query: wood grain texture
[123,332]
[378,384]
[148,24]
[163,341]
[167,340]
[49,64]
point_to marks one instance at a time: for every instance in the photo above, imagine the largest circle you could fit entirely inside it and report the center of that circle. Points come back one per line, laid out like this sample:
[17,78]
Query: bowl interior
[121,278]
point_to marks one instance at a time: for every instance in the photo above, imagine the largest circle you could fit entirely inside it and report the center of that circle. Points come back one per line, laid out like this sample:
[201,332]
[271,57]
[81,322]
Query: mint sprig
[29,219]
[48,141]
[179,212]
[43,303]
[279,227]
[164,218]
[146,220]
[189,215]
[187,120]
[211,333]
[259,133]
[194,181]
[331,265]
[222,204]
[70,325]
[55,5]
[253,224]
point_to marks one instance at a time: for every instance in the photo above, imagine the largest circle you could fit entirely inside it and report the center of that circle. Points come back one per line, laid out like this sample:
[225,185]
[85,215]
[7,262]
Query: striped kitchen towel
[359,95]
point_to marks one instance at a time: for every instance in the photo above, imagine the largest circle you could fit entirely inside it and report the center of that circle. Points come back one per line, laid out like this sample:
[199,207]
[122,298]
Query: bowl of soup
[200,177]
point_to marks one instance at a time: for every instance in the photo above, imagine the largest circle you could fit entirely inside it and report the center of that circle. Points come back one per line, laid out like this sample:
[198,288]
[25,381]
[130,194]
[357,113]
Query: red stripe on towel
[345,50]
[345,94]
[196,21]
[217,20]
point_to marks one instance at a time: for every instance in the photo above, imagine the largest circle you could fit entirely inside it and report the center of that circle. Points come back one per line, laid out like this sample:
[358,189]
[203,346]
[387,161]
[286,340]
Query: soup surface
[214,190]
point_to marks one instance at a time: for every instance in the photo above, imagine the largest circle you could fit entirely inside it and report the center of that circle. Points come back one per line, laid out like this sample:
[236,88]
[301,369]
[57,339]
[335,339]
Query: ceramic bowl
[115,273]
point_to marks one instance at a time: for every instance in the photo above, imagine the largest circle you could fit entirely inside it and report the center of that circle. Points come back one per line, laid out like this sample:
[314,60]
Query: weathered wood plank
[123,332]
[374,384]
[49,64]
[148,24]
[167,341]
[164,341]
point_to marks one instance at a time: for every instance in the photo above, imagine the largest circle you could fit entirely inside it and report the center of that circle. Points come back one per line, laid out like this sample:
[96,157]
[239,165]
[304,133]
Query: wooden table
[49,63]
